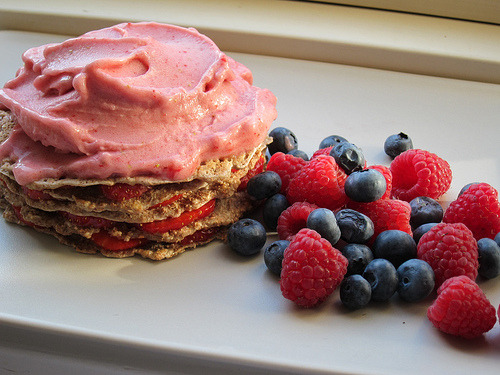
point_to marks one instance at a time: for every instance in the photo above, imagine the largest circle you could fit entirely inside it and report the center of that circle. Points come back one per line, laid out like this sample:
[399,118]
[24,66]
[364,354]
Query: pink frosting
[140,99]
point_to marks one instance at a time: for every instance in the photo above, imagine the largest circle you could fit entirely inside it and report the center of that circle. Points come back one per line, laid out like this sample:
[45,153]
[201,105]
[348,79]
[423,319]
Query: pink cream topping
[140,99]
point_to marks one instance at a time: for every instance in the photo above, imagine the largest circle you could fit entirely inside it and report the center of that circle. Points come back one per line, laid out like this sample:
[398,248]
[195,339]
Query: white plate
[210,311]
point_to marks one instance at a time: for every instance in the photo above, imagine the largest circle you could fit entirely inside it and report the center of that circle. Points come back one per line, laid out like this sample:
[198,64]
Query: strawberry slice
[108,242]
[36,195]
[258,168]
[17,211]
[122,192]
[174,223]
[201,235]
[88,221]
[166,202]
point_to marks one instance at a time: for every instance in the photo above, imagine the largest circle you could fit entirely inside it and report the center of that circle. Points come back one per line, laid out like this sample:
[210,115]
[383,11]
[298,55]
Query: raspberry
[462,309]
[293,219]
[319,182]
[312,269]
[417,173]
[322,151]
[386,214]
[286,166]
[478,208]
[451,250]
[388,179]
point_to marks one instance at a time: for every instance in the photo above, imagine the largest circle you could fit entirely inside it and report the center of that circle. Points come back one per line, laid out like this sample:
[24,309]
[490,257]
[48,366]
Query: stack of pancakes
[121,217]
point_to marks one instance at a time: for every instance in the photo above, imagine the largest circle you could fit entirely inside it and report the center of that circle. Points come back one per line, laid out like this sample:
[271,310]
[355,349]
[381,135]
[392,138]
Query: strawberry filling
[174,223]
[36,194]
[166,202]
[201,235]
[108,242]
[258,168]
[88,221]
[121,192]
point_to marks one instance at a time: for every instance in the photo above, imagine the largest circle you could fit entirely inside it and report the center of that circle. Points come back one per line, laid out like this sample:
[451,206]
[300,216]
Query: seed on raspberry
[293,219]
[462,309]
[312,269]
[417,173]
[451,250]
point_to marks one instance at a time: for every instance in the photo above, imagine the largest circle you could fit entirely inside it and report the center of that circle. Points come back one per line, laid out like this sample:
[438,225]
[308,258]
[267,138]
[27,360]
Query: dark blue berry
[462,190]
[272,209]
[331,140]
[383,279]
[366,185]
[355,292]
[299,154]
[394,245]
[355,227]
[323,221]
[273,256]
[425,210]
[421,230]
[497,238]
[358,256]
[489,258]
[415,280]
[246,236]
[283,141]
[397,144]
[264,185]
[348,156]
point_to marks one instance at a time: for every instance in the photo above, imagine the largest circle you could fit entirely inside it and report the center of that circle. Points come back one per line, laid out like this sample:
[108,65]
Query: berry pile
[375,231]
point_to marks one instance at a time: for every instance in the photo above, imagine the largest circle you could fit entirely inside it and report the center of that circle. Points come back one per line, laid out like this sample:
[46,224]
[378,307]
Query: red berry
[388,179]
[322,151]
[386,214]
[451,250]
[88,221]
[462,309]
[108,242]
[286,166]
[321,182]
[293,219]
[121,192]
[478,208]
[174,223]
[417,173]
[312,269]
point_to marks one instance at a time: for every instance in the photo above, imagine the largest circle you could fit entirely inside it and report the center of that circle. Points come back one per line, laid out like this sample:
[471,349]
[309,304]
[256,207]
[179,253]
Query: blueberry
[348,156]
[397,144]
[273,256]
[246,236]
[366,185]
[394,245]
[497,238]
[415,280]
[383,279]
[299,154]
[323,221]
[425,210]
[489,258]
[331,140]
[264,185]
[358,256]
[273,207]
[355,227]
[462,190]
[355,292]
[421,230]
[283,141]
